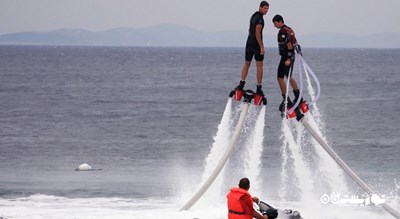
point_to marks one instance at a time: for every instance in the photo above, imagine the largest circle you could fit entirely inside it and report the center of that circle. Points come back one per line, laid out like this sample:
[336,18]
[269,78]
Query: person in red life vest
[240,202]
[287,43]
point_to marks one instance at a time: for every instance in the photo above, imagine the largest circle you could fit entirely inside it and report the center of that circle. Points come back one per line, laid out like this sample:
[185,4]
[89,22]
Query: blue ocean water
[145,119]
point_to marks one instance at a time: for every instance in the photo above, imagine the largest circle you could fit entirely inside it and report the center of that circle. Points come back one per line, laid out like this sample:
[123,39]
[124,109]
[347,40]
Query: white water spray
[221,140]
[284,190]
[330,171]
[297,150]
[254,147]
[301,170]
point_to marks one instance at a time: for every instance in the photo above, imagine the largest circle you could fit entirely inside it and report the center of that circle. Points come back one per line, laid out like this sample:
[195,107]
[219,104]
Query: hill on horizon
[170,35]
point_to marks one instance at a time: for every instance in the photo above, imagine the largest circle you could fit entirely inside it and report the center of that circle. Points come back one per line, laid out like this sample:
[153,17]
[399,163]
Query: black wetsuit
[252,46]
[285,35]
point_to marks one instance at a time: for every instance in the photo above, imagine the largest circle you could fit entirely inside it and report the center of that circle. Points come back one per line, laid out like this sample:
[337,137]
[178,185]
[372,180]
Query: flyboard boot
[238,92]
[259,96]
[294,114]
[303,104]
[248,95]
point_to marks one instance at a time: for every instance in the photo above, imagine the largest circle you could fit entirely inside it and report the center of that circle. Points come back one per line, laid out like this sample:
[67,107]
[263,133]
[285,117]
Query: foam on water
[49,207]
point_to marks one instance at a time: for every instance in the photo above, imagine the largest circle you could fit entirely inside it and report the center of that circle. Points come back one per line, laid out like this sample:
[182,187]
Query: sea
[150,122]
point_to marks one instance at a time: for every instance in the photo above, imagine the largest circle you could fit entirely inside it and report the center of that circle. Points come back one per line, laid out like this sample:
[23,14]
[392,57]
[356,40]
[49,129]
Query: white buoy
[84,167]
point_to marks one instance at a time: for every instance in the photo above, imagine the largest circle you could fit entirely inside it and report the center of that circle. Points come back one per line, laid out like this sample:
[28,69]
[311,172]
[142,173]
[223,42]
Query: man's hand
[256,199]
[297,47]
[262,51]
[259,216]
[287,62]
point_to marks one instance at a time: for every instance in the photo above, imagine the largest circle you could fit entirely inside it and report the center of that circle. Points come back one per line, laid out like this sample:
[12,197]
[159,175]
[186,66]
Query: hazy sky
[358,17]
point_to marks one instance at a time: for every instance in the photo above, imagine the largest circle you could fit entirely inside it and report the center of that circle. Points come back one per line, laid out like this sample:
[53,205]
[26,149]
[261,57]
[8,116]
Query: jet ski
[266,209]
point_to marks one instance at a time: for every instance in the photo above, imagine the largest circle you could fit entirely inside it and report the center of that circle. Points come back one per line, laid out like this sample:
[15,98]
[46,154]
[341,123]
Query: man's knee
[259,58]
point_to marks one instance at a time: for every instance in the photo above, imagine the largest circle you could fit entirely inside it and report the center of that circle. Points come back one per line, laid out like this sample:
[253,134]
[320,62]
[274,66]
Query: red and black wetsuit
[252,46]
[285,35]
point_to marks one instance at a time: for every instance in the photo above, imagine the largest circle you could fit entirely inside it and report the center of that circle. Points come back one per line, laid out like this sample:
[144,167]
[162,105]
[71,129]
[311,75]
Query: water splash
[221,140]
[301,170]
[288,178]
[328,169]
[254,148]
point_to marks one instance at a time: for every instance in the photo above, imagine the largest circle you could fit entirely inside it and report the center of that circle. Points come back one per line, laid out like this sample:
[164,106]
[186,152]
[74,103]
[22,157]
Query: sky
[356,17]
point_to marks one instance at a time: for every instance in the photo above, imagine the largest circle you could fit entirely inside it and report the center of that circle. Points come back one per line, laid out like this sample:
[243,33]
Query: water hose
[307,69]
[302,64]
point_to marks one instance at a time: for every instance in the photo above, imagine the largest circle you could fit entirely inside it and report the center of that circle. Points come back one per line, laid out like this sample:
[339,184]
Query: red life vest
[289,31]
[235,209]
[285,35]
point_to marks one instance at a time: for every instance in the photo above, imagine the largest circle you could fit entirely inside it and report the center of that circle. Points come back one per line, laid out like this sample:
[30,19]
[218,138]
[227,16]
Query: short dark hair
[244,183]
[278,18]
[264,3]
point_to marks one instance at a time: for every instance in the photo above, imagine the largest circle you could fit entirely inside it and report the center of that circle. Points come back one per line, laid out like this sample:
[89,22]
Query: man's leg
[245,70]
[282,85]
[296,96]
[259,72]
[293,84]
[296,90]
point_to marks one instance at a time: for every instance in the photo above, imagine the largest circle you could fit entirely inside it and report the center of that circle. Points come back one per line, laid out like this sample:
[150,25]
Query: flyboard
[297,110]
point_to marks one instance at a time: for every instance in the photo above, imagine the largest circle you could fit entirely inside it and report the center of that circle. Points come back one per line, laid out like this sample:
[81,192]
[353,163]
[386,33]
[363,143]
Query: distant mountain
[338,40]
[160,35]
[168,35]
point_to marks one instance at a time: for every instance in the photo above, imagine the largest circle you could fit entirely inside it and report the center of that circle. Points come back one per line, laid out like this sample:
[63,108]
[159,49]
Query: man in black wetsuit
[286,43]
[255,46]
